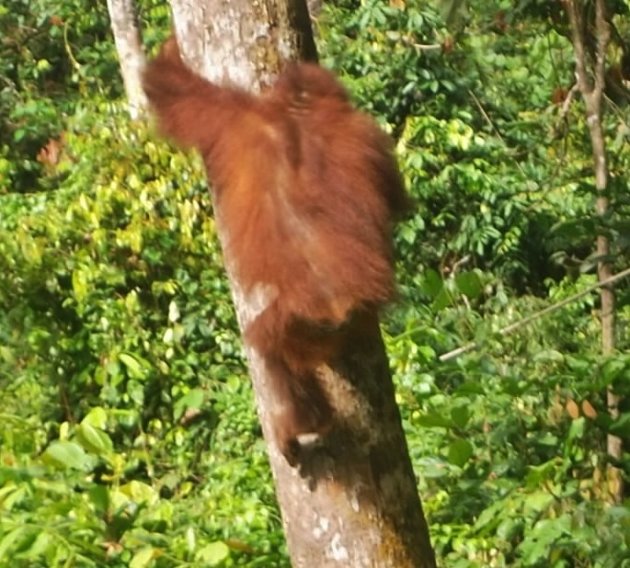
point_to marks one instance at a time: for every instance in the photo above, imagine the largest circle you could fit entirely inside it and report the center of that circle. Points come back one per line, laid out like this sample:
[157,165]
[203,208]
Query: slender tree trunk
[356,503]
[591,83]
[122,14]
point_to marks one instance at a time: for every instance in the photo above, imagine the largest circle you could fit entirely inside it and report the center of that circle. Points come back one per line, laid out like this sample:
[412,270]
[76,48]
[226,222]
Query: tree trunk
[591,83]
[355,504]
[122,14]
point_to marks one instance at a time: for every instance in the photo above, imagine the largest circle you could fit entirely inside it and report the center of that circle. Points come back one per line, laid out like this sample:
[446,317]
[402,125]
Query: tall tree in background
[126,32]
[590,70]
[354,502]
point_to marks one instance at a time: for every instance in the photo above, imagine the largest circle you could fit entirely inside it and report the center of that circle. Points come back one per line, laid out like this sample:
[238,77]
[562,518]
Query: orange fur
[307,189]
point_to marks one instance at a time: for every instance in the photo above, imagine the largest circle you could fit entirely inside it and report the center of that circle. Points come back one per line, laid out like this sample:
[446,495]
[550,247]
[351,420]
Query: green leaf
[576,430]
[39,546]
[434,420]
[431,284]
[621,426]
[459,452]
[144,557]
[136,366]
[139,492]
[540,541]
[435,468]
[192,400]
[442,300]
[460,416]
[469,284]
[491,516]
[537,502]
[540,474]
[79,284]
[469,387]
[43,65]
[13,539]
[94,440]
[213,554]
[99,495]
[11,494]
[96,417]
[135,390]
[615,367]
[408,233]
[68,455]
[509,528]
[548,355]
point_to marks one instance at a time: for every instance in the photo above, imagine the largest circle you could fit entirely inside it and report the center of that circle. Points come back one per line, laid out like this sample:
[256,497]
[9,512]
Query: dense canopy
[128,431]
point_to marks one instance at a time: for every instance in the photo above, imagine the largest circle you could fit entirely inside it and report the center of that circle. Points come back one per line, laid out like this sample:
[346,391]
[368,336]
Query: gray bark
[241,42]
[355,503]
[122,14]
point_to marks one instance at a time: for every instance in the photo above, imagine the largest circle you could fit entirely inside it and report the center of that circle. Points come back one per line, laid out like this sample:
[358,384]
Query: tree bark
[122,14]
[354,503]
[591,83]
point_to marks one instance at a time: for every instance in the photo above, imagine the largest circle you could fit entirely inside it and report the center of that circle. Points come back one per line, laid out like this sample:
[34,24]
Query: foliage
[129,436]
[118,330]
[53,54]
[510,440]
[483,141]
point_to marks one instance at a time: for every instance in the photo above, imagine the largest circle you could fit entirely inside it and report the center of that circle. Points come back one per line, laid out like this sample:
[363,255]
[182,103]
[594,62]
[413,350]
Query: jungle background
[128,435]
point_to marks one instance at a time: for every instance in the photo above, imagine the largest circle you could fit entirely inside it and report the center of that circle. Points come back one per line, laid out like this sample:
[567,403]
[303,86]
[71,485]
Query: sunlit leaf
[144,557]
[139,492]
[96,417]
[94,439]
[213,554]
[67,454]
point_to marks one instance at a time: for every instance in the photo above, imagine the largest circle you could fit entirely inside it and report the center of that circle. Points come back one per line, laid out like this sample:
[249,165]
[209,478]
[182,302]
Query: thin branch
[616,109]
[603,38]
[428,47]
[461,262]
[494,128]
[536,315]
[68,48]
[568,100]
[486,116]
[577,25]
